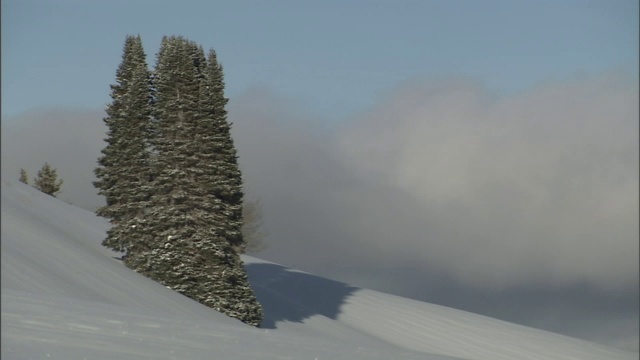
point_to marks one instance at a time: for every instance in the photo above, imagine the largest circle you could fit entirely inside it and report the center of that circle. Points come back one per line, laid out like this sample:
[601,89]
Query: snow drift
[64,296]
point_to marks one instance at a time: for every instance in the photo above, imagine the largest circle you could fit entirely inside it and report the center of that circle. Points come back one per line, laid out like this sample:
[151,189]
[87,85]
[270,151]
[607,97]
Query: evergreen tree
[186,243]
[220,153]
[24,178]
[47,180]
[123,172]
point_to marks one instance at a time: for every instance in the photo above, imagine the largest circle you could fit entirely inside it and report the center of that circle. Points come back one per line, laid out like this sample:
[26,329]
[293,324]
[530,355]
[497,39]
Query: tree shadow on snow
[290,295]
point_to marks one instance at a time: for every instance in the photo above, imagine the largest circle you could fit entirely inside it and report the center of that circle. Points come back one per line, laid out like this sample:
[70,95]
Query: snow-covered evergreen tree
[220,154]
[187,243]
[47,180]
[123,172]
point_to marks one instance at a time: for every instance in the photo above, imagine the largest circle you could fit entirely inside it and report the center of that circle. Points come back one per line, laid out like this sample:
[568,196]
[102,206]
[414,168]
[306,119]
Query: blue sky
[333,58]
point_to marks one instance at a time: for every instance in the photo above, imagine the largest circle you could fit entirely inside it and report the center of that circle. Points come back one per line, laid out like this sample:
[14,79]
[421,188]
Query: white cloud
[69,140]
[537,187]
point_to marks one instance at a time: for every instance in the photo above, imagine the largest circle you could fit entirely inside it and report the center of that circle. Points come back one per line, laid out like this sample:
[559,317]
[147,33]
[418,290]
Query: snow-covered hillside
[64,296]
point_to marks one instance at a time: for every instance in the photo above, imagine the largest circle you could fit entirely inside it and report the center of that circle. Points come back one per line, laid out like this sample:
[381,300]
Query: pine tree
[24,178]
[221,154]
[47,180]
[123,172]
[187,244]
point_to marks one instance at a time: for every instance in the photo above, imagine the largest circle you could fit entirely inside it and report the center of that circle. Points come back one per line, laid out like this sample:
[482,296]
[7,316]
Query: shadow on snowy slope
[293,296]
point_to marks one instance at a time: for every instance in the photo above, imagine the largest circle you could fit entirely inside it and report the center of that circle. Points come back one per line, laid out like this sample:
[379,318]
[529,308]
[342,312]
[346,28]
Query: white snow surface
[65,296]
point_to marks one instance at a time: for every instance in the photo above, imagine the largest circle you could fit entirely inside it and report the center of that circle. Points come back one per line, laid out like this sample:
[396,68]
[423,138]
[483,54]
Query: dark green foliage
[24,178]
[190,229]
[207,271]
[47,180]
[123,172]
[221,153]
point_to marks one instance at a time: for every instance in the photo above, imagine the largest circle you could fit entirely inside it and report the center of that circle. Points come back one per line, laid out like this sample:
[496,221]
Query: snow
[64,296]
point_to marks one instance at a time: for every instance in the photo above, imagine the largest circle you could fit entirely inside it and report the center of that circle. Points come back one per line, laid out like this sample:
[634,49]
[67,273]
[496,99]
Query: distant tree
[47,180]
[24,178]
[123,172]
[252,226]
[194,215]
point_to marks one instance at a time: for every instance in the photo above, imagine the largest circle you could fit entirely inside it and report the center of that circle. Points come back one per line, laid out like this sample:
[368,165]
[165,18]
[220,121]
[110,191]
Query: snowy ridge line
[436,329]
[64,297]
